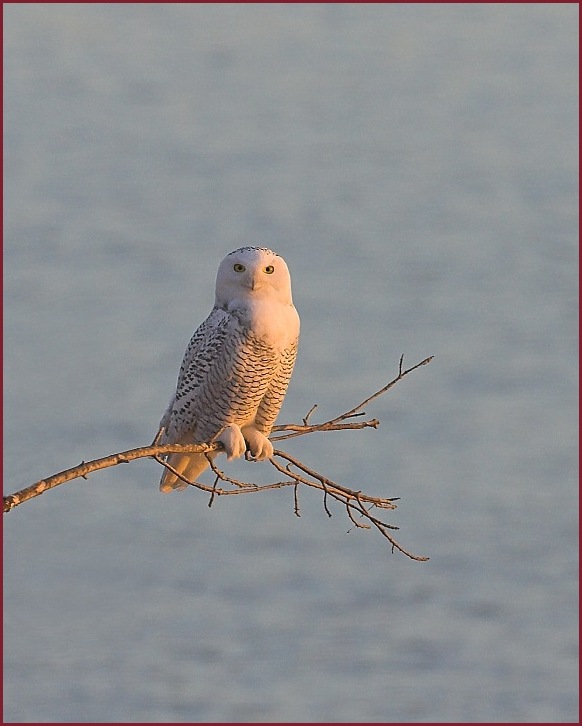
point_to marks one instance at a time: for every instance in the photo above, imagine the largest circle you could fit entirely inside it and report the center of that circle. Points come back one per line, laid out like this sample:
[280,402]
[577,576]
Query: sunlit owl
[237,366]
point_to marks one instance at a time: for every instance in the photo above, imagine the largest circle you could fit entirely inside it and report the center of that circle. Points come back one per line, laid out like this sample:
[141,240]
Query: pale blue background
[417,167]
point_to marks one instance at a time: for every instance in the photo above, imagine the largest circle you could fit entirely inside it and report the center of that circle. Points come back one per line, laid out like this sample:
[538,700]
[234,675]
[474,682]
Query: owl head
[253,272]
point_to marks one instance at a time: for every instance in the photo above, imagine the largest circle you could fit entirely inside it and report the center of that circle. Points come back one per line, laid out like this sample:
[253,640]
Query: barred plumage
[237,366]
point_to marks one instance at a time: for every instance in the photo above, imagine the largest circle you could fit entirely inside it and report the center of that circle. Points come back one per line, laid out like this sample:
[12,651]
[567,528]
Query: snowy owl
[237,366]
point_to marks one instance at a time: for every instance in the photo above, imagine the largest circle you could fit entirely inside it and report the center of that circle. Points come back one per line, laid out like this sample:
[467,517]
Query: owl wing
[202,350]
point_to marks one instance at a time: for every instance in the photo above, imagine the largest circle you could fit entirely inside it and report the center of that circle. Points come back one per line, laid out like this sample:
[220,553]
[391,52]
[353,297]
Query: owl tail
[189,466]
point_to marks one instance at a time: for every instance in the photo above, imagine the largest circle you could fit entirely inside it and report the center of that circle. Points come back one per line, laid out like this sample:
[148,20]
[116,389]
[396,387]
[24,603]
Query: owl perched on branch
[237,366]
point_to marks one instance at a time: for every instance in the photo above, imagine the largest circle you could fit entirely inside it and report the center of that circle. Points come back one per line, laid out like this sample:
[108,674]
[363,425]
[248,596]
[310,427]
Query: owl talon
[233,441]
[260,447]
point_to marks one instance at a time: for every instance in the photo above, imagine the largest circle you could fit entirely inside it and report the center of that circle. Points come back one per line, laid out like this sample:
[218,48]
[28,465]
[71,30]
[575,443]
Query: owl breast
[277,326]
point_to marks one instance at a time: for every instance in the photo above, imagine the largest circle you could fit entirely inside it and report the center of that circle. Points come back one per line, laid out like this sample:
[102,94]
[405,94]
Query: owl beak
[255,282]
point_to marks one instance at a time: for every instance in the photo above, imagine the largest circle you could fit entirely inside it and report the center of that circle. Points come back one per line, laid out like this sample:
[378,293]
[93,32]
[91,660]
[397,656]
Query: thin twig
[296,500]
[386,388]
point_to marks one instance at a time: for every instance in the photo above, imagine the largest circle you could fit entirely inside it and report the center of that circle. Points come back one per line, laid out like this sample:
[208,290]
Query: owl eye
[239,268]
[269,269]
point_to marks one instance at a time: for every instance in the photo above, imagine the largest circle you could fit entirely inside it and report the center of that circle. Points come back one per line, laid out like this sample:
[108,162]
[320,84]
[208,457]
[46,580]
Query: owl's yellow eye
[239,268]
[269,269]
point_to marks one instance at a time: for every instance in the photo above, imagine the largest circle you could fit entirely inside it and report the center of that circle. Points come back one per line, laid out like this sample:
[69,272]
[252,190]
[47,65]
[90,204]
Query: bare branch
[328,426]
[311,410]
[353,500]
[386,388]
[335,424]
[358,505]
[84,468]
